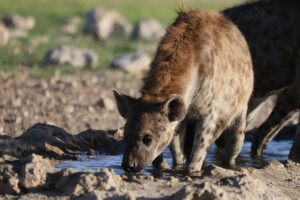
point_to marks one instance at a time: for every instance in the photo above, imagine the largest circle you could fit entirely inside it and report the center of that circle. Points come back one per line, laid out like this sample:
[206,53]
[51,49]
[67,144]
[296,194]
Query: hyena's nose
[129,167]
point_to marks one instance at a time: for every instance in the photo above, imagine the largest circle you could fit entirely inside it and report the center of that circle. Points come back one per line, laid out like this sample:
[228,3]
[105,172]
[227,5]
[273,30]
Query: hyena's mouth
[132,168]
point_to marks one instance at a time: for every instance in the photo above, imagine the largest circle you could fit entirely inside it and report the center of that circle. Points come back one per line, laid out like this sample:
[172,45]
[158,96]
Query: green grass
[49,15]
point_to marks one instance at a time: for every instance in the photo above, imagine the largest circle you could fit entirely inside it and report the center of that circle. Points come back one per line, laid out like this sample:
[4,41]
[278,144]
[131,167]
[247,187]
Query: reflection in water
[276,150]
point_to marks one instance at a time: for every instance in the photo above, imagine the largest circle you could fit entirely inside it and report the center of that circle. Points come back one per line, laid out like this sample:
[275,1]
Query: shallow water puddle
[276,150]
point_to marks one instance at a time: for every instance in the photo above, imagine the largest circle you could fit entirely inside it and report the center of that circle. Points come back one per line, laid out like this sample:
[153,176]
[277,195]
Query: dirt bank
[34,177]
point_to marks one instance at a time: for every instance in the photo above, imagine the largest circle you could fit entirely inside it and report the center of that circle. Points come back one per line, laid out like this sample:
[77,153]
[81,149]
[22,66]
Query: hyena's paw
[231,165]
[160,164]
[192,169]
[179,163]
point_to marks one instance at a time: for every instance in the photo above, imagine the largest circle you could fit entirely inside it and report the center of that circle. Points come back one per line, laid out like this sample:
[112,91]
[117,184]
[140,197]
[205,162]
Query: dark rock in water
[54,142]
[101,141]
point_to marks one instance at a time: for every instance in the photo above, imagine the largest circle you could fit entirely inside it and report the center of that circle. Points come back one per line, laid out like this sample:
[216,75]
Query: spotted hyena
[201,77]
[271,28]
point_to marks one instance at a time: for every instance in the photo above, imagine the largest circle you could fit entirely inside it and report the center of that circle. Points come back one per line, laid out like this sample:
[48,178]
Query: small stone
[91,109]
[18,33]
[19,21]
[148,29]
[103,23]
[69,109]
[172,179]
[106,103]
[4,35]
[70,55]
[137,63]
[71,24]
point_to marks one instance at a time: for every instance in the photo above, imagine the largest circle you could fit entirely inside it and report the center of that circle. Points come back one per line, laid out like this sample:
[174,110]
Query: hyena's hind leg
[235,135]
[295,150]
[284,109]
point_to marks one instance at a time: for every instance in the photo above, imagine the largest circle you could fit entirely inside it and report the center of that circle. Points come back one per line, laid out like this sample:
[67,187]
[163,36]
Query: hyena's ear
[124,103]
[175,108]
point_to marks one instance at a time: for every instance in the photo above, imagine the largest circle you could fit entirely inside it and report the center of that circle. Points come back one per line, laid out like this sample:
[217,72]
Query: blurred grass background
[49,15]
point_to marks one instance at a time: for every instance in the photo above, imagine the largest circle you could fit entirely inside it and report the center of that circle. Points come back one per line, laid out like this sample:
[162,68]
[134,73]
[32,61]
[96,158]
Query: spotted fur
[201,79]
[271,28]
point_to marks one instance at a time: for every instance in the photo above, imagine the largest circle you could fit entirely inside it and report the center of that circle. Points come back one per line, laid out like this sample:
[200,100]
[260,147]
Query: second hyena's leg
[284,109]
[234,138]
[295,150]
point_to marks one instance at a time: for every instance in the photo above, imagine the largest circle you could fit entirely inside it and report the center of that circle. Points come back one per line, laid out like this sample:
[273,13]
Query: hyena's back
[271,29]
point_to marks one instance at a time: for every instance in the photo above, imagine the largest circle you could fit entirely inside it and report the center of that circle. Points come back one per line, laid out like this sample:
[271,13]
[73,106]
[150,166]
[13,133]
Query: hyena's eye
[147,140]
[162,128]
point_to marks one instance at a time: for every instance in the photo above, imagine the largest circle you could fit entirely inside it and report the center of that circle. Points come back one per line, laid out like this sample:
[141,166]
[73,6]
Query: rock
[78,183]
[148,29]
[70,25]
[70,55]
[106,103]
[19,21]
[34,172]
[9,180]
[9,146]
[100,140]
[54,142]
[45,138]
[218,172]
[18,33]
[205,191]
[4,35]
[137,63]
[103,23]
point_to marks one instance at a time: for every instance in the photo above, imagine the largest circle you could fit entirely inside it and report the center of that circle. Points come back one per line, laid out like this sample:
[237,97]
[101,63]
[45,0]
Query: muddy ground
[81,118]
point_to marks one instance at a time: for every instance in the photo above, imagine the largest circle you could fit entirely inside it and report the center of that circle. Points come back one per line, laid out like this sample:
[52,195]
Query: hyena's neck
[184,85]
[174,70]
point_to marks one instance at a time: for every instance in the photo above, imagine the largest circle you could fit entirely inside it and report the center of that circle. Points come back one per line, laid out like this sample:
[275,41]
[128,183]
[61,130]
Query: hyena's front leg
[235,139]
[177,145]
[205,134]
[160,163]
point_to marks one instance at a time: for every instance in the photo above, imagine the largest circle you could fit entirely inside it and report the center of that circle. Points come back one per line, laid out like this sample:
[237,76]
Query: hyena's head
[148,129]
